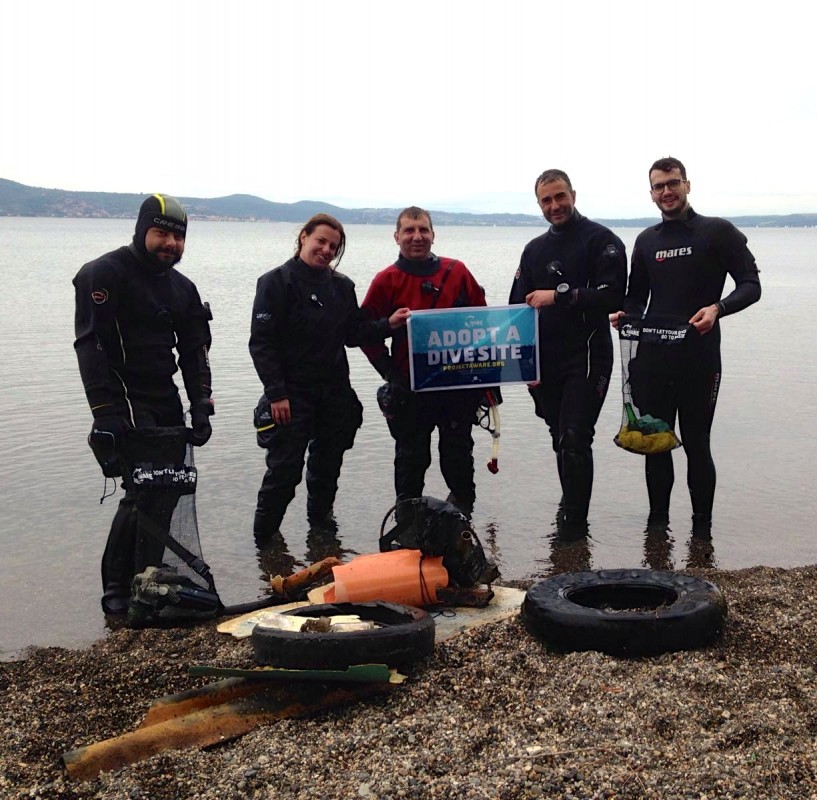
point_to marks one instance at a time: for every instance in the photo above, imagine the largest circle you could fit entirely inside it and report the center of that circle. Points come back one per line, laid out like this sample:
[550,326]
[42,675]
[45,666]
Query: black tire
[404,635]
[629,612]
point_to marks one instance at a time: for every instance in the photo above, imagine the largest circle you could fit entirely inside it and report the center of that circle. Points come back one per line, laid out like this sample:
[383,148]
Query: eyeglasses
[671,185]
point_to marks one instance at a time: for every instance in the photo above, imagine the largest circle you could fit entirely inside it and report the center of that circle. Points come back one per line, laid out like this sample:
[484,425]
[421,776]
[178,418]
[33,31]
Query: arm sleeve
[607,277]
[97,334]
[473,290]
[266,330]
[362,329]
[638,289]
[193,342]
[741,265]
[377,306]
[522,285]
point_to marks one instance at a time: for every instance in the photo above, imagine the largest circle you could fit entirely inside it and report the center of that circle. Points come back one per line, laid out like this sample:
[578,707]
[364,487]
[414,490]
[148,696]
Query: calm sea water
[53,528]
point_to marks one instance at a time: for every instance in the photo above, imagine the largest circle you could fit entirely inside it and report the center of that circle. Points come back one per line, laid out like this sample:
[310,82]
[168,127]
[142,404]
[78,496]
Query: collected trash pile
[336,633]
[340,633]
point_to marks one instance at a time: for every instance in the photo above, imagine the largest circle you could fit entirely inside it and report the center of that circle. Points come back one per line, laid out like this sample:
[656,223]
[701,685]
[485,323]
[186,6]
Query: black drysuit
[679,267]
[575,346]
[129,319]
[302,321]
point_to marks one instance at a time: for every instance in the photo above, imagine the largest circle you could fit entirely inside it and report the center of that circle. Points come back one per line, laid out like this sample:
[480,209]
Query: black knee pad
[574,440]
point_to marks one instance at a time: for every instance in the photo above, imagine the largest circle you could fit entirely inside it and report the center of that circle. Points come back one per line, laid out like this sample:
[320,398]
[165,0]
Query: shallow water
[53,529]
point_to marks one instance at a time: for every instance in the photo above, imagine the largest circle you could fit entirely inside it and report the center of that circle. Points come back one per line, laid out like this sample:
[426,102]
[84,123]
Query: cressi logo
[161,222]
[99,296]
[663,255]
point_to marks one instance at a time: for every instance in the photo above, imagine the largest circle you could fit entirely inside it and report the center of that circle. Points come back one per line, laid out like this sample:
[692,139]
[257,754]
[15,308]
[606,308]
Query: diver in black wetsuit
[133,309]
[575,275]
[679,270]
[305,314]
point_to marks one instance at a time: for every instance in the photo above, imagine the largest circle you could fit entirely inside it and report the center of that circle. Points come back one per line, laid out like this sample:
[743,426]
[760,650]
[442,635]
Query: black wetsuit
[575,345]
[678,267]
[302,321]
[129,319]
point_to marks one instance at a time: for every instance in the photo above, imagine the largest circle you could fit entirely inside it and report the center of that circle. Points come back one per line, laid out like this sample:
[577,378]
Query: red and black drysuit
[432,283]
[678,267]
[575,346]
[129,319]
[302,321]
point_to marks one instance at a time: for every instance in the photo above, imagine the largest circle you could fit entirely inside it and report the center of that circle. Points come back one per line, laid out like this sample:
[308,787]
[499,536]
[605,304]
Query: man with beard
[132,309]
[678,273]
[574,273]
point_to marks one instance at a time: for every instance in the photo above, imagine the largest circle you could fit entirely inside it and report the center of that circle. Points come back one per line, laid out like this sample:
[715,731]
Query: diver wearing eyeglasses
[678,270]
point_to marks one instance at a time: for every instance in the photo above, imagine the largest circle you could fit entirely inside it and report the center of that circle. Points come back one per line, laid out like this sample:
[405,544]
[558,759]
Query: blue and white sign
[464,348]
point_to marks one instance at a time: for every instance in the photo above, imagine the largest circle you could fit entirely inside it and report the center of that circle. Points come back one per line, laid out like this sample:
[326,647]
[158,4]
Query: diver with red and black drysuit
[421,280]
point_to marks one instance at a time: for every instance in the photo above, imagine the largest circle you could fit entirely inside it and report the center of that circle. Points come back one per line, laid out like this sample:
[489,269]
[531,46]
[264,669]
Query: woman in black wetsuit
[304,315]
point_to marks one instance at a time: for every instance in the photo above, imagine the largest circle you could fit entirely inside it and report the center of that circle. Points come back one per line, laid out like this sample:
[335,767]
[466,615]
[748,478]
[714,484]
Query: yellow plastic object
[649,443]
[399,576]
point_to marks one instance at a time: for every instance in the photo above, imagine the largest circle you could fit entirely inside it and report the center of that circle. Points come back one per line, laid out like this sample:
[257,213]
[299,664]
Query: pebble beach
[492,713]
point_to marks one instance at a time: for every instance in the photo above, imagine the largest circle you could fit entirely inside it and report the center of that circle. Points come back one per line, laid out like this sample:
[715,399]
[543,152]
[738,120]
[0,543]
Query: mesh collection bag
[650,352]
[174,582]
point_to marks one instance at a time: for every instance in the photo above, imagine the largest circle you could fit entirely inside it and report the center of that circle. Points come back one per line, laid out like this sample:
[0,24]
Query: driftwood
[208,716]
[295,587]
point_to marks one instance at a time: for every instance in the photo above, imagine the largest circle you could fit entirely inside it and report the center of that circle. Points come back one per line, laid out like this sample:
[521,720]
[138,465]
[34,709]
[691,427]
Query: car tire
[628,612]
[404,635]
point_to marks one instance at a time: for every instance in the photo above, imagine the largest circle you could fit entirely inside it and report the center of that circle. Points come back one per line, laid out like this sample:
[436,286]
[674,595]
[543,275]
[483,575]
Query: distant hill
[19,200]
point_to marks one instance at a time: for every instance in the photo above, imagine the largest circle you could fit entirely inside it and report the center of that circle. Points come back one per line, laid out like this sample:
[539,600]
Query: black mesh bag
[652,357]
[438,528]
[160,472]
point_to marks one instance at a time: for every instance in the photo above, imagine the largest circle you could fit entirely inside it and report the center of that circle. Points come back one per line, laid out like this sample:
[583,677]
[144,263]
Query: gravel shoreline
[493,714]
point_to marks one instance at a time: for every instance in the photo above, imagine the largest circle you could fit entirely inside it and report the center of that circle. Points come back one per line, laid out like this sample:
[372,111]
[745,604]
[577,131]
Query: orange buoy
[398,576]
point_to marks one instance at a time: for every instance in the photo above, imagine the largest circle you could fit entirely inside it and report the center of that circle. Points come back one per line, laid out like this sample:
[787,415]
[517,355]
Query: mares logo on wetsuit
[663,255]
[99,296]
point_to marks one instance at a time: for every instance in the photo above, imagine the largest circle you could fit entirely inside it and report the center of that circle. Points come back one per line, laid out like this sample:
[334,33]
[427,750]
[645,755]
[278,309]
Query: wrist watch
[562,296]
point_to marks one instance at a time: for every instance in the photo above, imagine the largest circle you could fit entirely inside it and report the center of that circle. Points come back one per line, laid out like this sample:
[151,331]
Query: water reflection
[274,557]
[701,553]
[569,547]
[322,541]
[658,544]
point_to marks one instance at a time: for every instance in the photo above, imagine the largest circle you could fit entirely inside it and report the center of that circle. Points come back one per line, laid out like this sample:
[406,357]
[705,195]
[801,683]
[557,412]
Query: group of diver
[133,309]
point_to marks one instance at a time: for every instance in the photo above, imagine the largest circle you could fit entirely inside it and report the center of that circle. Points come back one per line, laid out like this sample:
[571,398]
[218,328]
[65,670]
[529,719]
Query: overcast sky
[448,104]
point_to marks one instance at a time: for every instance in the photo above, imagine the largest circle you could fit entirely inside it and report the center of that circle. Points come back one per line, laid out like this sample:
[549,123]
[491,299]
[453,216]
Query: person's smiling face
[669,191]
[319,247]
[557,201]
[415,237]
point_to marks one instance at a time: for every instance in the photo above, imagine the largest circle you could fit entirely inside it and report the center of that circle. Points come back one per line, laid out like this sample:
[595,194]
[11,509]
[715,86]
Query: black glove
[200,415]
[105,440]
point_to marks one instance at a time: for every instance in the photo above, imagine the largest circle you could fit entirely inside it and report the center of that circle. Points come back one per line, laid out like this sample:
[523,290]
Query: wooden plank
[214,724]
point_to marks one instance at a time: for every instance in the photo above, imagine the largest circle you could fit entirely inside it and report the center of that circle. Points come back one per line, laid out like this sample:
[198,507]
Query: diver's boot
[320,517]
[657,518]
[465,506]
[266,525]
[115,605]
[702,526]
[118,559]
